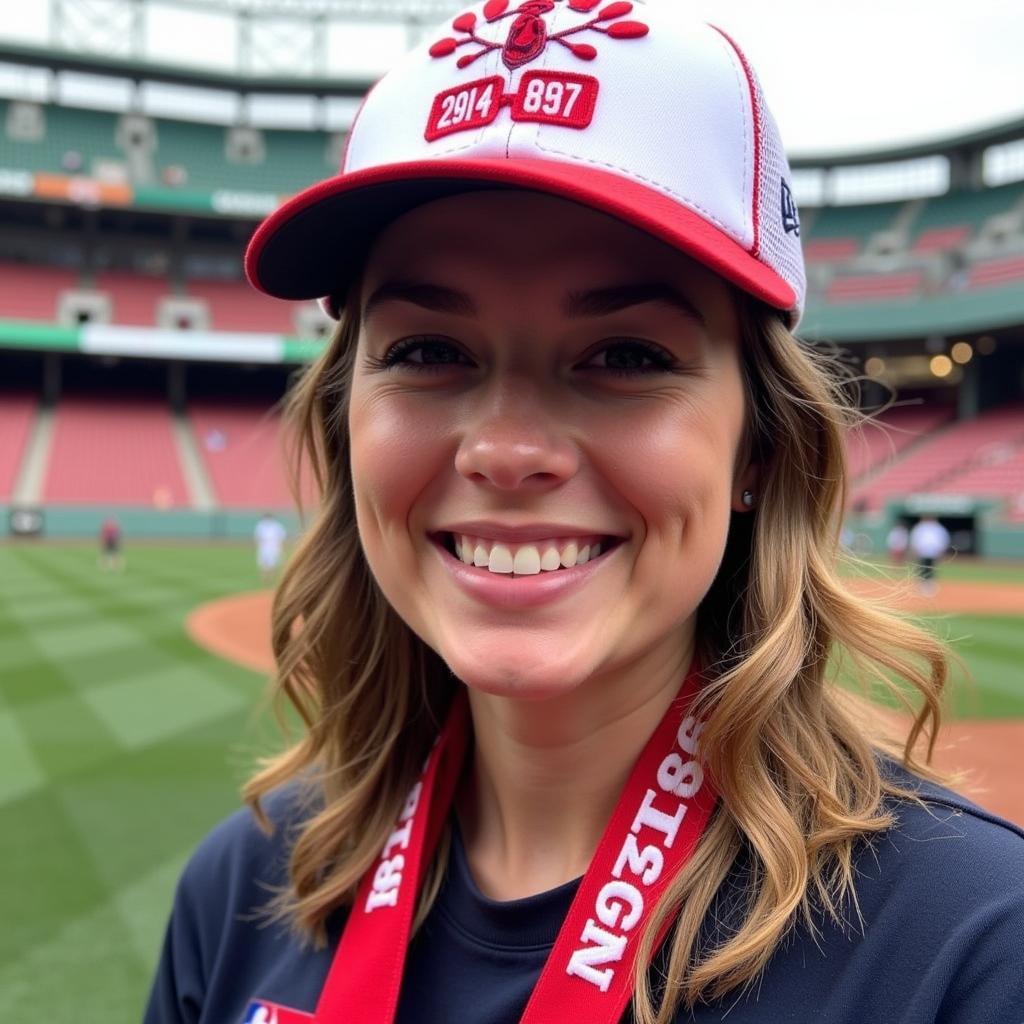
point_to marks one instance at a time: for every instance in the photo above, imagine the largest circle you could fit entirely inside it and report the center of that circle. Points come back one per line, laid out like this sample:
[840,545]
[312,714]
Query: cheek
[675,468]
[395,456]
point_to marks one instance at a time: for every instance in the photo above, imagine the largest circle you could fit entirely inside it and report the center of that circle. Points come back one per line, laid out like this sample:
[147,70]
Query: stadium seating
[16,414]
[74,142]
[838,233]
[85,142]
[32,292]
[881,440]
[847,288]
[291,159]
[116,450]
[940,458]
[235,306]
[948,220]
[134,297]
[996,472]
[941,239]
[995,273]
[240,448]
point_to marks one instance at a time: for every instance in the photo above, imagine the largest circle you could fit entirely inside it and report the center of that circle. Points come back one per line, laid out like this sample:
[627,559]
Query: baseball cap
[631,108]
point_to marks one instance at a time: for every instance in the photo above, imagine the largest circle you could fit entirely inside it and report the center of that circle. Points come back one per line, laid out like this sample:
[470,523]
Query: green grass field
[121,743]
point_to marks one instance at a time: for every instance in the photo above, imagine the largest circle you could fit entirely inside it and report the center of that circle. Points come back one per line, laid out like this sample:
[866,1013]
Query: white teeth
[527,561]
[501,559]
[550,560]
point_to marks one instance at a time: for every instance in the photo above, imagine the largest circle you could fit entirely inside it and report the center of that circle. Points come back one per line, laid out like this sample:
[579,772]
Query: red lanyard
[654,829]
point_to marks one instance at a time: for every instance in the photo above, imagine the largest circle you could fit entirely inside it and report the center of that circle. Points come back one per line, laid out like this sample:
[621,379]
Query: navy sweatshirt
[942,942]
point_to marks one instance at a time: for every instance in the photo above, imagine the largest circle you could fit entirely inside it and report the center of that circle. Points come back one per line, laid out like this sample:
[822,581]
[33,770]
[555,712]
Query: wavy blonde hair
[795,764]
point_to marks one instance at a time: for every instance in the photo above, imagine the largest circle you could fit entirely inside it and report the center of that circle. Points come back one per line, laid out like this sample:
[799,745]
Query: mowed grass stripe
[155,803]
[49,876]
[86,971]
[20,772]
[197,569]
[67,736]
[163,703]
[143,744]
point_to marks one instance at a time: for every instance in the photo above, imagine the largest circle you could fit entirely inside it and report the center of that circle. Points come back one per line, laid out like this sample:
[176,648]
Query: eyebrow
[593,302]
[604,301]
[435,297]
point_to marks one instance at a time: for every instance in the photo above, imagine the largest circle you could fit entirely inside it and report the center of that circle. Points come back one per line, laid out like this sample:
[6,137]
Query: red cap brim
[314,245]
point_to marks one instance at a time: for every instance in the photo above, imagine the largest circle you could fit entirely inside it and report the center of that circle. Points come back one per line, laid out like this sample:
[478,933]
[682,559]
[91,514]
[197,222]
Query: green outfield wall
[137,522]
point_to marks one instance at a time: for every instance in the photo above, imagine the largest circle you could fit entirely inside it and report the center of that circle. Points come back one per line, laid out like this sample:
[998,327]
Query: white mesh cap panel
[779,248]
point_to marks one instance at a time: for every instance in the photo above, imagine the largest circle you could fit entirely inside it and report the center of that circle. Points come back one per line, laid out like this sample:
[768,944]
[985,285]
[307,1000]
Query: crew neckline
[529,923]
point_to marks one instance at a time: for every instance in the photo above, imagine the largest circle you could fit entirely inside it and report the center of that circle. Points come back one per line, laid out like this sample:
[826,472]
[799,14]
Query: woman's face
[536,382]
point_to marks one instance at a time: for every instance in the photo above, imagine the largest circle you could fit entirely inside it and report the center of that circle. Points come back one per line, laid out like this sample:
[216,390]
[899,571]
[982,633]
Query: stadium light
[961,352]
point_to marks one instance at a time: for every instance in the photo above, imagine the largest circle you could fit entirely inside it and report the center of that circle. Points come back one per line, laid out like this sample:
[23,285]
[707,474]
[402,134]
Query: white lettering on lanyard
[619,906]
[388,877]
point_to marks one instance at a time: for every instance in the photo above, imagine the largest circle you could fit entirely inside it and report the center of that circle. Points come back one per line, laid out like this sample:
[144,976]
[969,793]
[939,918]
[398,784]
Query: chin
[533,679]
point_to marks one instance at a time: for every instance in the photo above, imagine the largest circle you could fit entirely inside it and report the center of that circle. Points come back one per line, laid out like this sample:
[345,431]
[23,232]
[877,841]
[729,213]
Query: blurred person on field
[896,542]
[270,536]
[111,557]
[928,542]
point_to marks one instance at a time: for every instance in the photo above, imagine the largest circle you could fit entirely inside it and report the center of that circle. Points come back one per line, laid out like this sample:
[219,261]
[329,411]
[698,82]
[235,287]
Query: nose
[511,444]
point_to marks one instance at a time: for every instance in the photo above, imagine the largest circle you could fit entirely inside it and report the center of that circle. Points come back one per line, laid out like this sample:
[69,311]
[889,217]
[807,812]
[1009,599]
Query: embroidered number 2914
[465,107]
[465,104]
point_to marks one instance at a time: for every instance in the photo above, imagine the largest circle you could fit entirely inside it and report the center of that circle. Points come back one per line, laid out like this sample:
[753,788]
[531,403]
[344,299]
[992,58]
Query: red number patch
[555,97]
[465,107]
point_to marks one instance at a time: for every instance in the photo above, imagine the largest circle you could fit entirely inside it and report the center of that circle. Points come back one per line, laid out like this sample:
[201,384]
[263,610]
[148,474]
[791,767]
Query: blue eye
[630,357]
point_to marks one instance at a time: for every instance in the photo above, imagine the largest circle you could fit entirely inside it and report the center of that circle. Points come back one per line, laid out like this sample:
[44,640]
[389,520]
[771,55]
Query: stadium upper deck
[903,267]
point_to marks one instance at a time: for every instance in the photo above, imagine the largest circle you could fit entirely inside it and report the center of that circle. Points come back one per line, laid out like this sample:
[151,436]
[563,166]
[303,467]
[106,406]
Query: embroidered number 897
[548,97]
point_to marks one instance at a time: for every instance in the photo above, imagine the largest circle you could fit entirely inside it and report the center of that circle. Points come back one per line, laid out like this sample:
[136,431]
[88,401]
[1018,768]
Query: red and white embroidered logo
[551,97]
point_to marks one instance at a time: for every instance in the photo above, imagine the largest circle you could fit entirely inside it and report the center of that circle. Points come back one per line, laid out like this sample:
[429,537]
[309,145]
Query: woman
[569,602]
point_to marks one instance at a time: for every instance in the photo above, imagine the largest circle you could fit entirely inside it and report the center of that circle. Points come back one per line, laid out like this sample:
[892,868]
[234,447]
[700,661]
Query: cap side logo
[549,97]
[790,215]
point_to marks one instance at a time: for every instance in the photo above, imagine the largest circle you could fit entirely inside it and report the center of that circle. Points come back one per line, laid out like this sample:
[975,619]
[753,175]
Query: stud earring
[748,499]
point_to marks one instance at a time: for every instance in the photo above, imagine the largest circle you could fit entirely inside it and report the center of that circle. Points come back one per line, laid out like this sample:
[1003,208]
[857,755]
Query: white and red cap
[630,108]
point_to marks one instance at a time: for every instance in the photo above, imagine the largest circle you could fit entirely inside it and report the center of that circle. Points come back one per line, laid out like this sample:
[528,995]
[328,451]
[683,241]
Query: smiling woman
[567,401]
[569,603]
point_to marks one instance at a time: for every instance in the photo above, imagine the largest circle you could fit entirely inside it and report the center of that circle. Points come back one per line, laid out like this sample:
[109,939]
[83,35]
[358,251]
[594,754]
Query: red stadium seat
[240,447]
[119,450]
[32,292]
[16,415]
[941,462]
[878,287]
[234,306]
[993,273]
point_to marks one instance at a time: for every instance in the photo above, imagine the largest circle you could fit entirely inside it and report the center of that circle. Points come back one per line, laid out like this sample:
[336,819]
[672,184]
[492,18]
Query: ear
[747,480]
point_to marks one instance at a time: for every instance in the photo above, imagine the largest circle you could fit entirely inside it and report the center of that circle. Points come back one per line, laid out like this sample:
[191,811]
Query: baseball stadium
[141,381]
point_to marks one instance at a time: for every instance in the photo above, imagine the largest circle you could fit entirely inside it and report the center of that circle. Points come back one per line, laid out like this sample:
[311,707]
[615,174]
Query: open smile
[522,566]
[528,558]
